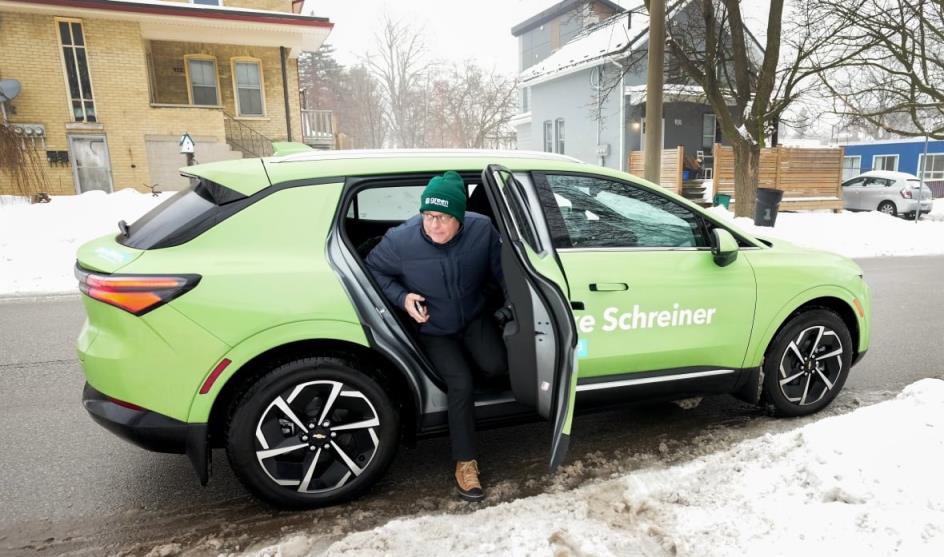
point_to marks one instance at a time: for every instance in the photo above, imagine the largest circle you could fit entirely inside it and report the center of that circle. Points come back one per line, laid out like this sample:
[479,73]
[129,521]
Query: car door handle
[608,287]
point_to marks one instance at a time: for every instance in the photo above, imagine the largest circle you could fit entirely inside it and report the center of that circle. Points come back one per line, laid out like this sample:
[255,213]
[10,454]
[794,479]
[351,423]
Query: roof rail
[309,156]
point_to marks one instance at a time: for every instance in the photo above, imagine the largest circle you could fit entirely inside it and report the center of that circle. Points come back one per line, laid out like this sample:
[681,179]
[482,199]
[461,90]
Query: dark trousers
[456,358]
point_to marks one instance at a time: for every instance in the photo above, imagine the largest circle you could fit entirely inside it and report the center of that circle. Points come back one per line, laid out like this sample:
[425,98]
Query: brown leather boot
[467,481]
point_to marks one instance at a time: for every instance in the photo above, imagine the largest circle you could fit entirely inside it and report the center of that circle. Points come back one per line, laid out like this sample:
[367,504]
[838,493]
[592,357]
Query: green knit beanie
[445,194]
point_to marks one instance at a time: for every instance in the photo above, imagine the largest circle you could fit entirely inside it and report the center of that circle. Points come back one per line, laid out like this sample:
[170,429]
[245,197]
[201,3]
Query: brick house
[108,87]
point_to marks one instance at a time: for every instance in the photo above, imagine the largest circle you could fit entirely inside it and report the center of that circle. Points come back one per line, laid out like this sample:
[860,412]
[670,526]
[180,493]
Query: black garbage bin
[765,210]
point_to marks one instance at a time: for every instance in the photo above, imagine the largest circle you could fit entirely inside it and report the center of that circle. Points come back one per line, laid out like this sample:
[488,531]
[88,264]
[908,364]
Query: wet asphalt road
[68,486]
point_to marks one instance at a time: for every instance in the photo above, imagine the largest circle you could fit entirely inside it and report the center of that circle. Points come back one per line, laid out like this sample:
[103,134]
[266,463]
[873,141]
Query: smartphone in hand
[420,307]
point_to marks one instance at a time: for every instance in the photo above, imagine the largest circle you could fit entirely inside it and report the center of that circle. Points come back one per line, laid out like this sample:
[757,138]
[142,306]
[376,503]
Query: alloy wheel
[317,436]
[811,365]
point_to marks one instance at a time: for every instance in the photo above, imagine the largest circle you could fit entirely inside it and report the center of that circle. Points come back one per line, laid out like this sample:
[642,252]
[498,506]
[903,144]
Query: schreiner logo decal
[437,201]
[638,319]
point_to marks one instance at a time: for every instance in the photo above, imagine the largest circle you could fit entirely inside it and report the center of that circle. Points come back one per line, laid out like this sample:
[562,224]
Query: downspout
[288,111]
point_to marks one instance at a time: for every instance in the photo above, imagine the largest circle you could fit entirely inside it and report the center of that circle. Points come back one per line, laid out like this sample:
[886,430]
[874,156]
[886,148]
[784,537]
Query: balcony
[318,128]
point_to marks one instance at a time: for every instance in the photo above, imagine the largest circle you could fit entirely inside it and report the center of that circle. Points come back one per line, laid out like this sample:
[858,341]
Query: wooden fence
[672,163]
[809,178]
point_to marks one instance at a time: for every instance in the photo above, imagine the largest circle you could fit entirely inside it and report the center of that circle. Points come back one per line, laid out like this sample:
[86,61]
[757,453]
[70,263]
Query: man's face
[440,227]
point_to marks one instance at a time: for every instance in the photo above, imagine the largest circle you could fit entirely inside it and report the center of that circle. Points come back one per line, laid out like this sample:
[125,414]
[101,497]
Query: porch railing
[243,138]
[318,127]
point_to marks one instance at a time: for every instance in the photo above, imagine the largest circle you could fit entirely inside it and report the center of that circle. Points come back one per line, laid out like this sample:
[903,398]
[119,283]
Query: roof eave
[102,7]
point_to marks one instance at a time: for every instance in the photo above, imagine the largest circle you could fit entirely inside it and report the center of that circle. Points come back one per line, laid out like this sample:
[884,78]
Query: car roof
[331,164]
[248,176]
[362,154]
[889,174]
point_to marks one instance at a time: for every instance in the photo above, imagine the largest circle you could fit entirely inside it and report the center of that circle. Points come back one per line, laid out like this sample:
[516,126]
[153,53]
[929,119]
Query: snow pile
[868,482]
[860,234]
[38,242]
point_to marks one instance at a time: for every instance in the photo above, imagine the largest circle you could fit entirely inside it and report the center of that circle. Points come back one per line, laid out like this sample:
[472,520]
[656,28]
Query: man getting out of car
[435,266]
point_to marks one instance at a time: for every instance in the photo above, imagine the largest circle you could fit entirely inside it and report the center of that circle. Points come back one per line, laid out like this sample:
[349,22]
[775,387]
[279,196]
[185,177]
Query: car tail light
[137,294]
[906,193]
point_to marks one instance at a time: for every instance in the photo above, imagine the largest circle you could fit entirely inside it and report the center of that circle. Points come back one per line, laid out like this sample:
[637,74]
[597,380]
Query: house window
[885,162]
[934,169]
[851,167]
[709,125]
[559,134]
[201,75]
[525,99]
[548,137]
[247,78]
[72,40]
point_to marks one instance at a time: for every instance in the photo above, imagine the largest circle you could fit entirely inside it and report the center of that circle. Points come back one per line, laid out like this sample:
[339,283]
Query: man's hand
[504,315]
[415,306]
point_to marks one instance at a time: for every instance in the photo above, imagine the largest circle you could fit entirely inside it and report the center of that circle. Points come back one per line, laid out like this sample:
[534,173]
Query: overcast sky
[455,31]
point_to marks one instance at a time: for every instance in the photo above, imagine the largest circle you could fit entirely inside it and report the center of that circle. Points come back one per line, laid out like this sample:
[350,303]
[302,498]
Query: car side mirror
[724,247]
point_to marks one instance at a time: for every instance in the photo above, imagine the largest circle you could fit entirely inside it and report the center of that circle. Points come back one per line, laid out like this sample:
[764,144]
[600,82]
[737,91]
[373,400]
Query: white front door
[91,166]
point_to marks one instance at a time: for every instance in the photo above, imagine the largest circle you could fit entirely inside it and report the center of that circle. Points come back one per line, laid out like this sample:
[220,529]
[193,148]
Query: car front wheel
[312,432]
[807,363]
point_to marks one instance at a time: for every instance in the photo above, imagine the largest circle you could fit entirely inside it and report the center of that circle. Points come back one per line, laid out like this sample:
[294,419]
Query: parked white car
[894,193]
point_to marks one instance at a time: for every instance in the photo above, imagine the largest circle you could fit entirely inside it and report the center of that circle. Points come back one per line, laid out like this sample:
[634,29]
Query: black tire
[797,383]
[888,207]
[347,460]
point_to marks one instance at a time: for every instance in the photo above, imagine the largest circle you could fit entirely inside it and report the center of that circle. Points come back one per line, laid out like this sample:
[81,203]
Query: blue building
[903,155]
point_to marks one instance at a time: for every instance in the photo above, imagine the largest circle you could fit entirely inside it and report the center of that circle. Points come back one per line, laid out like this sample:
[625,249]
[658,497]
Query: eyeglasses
[441,219]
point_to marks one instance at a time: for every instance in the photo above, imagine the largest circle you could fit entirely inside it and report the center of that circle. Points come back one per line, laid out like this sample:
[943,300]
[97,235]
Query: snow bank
[860,234]
[864,483]
[38,242]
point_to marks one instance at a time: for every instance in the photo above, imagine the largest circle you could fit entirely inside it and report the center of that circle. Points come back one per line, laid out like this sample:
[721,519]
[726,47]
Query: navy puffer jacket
[450,276]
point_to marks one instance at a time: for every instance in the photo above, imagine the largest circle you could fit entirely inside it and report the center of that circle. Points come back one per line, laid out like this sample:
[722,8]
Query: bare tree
[320,78]
[896,84]
[401,67]
[750,85]
[362,110]
[354,95]
[469,105]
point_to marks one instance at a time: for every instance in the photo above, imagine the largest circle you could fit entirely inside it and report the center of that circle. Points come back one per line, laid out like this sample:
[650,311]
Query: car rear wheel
[888,208]
[312,432]
[807,363]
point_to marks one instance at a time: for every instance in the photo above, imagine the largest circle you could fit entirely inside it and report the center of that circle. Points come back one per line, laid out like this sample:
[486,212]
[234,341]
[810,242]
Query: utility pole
[656,61]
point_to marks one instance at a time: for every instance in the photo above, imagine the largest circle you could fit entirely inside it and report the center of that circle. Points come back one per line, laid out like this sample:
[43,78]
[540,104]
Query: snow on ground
[863,483]
[853,234]
[38,242]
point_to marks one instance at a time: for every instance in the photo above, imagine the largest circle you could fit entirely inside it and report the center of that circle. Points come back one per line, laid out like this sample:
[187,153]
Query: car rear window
[184,216]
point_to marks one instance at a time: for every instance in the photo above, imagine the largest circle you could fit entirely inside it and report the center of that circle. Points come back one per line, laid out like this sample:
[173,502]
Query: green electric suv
[239,312]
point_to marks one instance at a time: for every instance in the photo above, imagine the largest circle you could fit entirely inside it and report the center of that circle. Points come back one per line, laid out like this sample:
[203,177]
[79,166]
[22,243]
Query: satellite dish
[9,89]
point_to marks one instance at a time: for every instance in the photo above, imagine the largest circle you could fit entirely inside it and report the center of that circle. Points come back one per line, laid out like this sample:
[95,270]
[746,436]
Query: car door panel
[679,310]
[646,290]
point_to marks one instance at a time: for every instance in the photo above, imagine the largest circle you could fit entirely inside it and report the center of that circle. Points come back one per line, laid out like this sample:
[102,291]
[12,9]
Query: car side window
[877,183]
[588,212]
[387,204]
[855,182]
